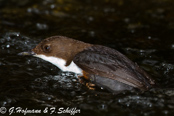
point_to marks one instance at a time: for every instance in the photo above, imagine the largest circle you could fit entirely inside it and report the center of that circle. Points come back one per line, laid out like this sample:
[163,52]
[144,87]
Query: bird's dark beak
[27,53]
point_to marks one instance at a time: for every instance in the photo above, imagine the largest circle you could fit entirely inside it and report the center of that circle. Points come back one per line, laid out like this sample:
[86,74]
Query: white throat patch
[60,63]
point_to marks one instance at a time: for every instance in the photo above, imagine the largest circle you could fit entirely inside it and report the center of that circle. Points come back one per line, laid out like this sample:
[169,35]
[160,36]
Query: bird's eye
[46,48]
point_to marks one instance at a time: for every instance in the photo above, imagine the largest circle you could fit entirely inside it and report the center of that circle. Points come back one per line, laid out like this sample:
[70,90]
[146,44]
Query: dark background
[142,30]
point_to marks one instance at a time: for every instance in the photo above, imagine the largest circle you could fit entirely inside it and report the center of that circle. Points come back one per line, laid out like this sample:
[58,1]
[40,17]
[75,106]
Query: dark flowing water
[142,30]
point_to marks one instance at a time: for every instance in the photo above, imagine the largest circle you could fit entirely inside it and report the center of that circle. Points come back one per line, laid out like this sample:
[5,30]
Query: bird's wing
[109,63]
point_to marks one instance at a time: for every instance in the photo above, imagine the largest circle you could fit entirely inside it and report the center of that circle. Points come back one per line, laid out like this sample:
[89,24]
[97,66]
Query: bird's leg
[85,81]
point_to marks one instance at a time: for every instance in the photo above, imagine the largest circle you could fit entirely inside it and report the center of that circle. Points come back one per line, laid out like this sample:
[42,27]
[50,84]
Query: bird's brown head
[61,47]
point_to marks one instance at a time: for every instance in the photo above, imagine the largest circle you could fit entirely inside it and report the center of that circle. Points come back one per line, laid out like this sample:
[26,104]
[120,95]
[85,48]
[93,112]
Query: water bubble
[17,34]
[92,33]
[41,26]
[29,10]
[150,105]
[2,40]
[90,18]
[149,37]
[8,38]
[7,46]
[33,10]
[132,31]
[49,98]
[25,42]
[52,6]
[119,100]
[172,46]
[4,103]
[165,112]
[127,104]
[127,20]
[103,106]
[74,80]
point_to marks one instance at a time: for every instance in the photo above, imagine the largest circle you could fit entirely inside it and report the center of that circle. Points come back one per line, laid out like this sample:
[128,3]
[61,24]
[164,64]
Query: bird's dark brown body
[102,65]
[108,63]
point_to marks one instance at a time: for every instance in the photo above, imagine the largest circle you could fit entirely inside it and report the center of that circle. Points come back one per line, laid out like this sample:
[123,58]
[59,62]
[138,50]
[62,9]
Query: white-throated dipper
[103,66]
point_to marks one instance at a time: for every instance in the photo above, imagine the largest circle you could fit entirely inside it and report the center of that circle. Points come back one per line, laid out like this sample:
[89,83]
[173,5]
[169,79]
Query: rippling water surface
[142,30]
